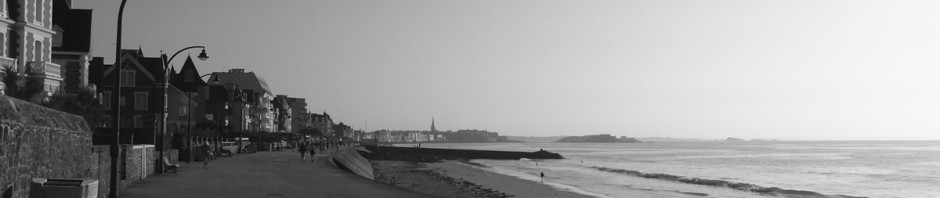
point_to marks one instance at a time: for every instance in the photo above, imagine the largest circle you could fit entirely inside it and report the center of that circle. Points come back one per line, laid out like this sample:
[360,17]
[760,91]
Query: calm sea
[730,169]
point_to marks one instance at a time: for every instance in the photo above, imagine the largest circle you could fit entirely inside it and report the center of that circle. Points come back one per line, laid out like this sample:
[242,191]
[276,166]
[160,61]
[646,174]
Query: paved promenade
[263,174]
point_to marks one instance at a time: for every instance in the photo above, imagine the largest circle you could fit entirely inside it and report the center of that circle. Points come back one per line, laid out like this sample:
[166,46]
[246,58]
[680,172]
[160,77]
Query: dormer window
[57,37]
[128,78]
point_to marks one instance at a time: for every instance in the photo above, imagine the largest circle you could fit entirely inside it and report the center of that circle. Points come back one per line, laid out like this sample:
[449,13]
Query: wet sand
[457,179]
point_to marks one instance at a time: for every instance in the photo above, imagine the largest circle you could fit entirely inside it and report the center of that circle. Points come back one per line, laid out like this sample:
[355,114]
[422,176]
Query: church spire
[433,129]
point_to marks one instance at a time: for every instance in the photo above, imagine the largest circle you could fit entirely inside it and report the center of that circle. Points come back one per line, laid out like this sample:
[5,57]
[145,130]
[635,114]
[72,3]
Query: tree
[28,88]
[82,103]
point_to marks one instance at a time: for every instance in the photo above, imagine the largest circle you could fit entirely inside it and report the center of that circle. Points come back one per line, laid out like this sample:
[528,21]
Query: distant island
[732,139]
[602,138]
[669,139]
[533,139]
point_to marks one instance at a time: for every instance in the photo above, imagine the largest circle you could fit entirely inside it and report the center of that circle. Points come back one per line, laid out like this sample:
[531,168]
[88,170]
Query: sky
[799,69]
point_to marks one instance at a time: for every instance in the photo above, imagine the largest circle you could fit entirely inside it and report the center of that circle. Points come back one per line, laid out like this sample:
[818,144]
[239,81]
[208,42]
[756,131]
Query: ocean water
[730,169]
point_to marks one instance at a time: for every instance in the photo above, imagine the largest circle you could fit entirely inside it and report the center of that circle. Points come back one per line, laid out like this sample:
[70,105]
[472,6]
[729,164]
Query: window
[38,10]
[9,52]
[3,39]
[138,121]
[106,100]
[141,102]
[37,51]
[184,111]
[127,78]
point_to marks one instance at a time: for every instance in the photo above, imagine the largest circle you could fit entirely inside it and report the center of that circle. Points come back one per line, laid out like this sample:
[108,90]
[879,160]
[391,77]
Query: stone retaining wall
[38,142]
[101,156]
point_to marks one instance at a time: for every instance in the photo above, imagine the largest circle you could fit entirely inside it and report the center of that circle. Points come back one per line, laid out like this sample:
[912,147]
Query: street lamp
[202,55]
[166,82]
[112,183]
[220,102]
[116,99]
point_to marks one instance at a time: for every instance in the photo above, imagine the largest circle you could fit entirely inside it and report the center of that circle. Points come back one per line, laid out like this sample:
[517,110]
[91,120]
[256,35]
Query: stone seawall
[38,142]
[435,154]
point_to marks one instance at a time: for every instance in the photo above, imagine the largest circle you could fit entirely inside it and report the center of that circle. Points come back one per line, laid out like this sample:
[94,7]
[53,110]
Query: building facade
[322,122]
[71,44]
[300,118]
[260,112]
[282,114]
[26,34]
[140,81]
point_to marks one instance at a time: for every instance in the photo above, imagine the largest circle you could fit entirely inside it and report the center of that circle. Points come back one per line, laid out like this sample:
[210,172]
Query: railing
[44,68]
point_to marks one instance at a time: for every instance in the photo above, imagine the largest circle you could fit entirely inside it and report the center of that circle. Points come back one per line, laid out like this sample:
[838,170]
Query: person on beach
[207,151]
[303,150]
[542,174]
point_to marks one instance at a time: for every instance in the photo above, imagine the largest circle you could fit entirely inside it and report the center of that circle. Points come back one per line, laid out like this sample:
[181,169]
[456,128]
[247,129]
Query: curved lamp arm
[201,55]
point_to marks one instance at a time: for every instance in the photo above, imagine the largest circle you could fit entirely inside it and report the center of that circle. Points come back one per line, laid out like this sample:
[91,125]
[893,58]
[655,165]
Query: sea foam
[724,184]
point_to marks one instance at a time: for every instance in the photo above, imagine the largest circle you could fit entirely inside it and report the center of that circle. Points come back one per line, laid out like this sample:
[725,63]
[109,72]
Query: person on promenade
[319,145]
[303,150]
[207,151]
[313,152]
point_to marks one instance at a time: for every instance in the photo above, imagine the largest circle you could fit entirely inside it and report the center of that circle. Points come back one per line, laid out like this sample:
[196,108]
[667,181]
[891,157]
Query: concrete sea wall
[349,159]
[435,154]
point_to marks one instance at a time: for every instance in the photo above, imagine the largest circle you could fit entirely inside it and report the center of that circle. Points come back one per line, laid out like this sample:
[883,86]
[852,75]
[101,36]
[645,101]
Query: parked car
[229,148]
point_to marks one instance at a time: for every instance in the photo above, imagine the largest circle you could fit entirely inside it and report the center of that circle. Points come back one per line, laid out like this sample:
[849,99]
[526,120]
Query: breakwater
[348,159]
[437,154]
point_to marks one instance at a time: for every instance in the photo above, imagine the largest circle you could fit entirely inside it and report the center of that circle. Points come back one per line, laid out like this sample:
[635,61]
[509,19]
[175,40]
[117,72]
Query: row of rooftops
[250,86]
[186,79]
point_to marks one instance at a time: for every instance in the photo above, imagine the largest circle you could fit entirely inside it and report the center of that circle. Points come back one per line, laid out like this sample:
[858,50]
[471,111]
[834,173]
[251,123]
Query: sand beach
[459,179]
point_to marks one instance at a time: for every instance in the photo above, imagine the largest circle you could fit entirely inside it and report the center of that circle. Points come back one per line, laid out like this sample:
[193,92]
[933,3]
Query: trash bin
[69,188]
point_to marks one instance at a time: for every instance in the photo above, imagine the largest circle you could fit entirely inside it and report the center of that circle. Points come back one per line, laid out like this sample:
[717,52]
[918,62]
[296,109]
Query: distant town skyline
[808,70]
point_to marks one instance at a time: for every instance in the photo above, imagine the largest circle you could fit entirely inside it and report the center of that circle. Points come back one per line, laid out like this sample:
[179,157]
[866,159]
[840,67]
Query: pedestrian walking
[207,151]
[303,150]
[313,151]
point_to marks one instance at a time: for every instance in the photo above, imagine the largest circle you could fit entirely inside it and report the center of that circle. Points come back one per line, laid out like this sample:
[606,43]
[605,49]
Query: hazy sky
[702,69]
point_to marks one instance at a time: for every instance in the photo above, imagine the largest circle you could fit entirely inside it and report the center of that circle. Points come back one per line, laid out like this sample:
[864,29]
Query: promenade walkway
[263,174]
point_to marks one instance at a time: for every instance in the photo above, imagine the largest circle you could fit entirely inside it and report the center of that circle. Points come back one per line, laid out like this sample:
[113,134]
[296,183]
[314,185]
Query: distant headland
[602,138]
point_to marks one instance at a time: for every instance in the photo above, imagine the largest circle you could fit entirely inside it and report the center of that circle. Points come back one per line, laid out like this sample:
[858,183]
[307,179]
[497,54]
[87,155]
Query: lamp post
[166,82]
[116,123]
[216,99]
[116,99]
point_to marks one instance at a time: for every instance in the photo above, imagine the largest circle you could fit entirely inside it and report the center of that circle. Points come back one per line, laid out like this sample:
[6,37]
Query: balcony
[7,62]
[50,70]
